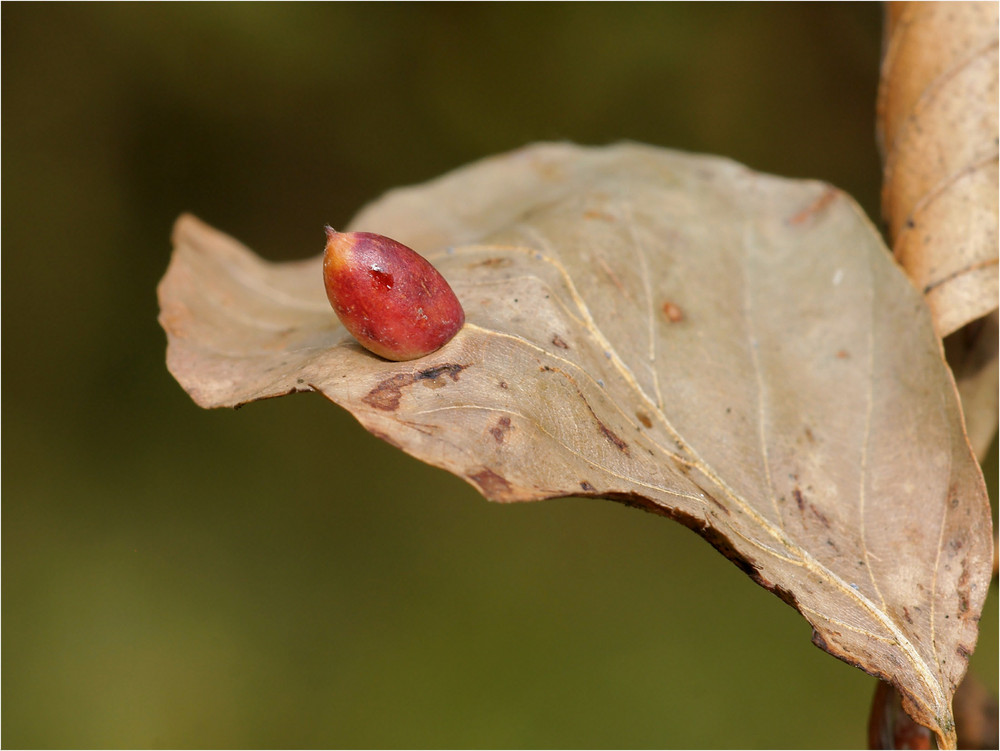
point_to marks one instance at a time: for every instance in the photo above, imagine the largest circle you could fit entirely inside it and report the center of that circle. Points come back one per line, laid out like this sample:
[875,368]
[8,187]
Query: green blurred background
[276,576]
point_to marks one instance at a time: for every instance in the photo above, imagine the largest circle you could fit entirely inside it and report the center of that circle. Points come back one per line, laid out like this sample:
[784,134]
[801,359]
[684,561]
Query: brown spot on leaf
[491,484]
[451,370]
[843,354]
[503,385]
[431,378]
[819,514]
[500,430]
[492,263]
[388,392]
[597,214]
[799,500]
[963,580]
[612,436]
[815,207]
[718,504]
[559,341]
[803,504]
[584,485]
[672,312]
[644,419]
[434,383]
[906,615]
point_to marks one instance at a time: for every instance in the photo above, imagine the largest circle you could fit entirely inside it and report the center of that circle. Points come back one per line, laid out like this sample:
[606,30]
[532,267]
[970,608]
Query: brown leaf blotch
[452,370]
[672,312]
[613,437]
[819,515]
[500,430]
[491,484]
[386,395]
[799,500]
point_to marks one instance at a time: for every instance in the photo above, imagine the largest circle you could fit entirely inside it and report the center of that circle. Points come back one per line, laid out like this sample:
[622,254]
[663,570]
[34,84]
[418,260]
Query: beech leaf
[733,350]
[971,353]
[937,126]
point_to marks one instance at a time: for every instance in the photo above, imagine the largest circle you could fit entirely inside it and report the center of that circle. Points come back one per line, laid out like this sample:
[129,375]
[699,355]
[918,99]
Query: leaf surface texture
[732,350]
[937,126]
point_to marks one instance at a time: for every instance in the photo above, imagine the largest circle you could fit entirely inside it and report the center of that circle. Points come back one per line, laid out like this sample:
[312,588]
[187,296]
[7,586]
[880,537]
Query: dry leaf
[972,354]
[733,350]
[937,123]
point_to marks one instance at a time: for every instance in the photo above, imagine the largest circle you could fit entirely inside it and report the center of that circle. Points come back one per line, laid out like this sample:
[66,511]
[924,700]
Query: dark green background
[276,576]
